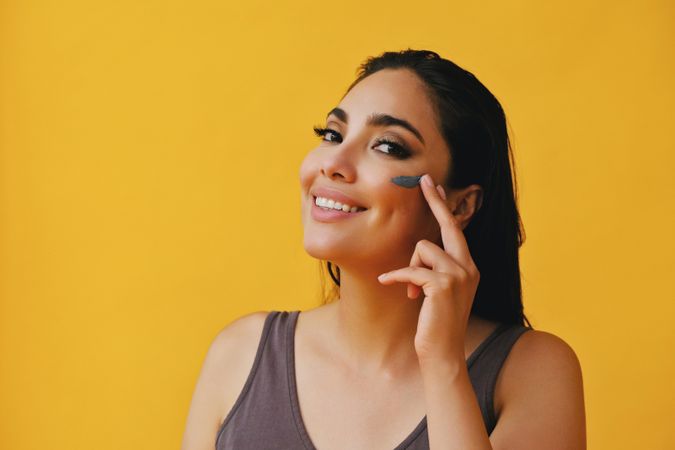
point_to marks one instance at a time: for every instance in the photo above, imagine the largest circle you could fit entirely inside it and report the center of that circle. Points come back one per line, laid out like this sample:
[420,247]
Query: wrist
[449,367]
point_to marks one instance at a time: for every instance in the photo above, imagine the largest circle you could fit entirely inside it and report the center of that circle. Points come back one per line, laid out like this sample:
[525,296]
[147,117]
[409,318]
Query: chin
[322,249]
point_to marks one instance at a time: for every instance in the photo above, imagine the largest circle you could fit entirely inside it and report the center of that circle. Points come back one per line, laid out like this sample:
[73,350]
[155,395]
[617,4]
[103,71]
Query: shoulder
[537,351]
[224,371]
[231,355]
[241,333]
[540,391]
[539,357]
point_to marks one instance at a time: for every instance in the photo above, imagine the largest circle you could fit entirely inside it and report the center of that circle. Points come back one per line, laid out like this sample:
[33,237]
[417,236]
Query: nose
[338,163]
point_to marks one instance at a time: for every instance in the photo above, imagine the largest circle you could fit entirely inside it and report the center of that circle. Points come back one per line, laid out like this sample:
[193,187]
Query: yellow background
[149,192]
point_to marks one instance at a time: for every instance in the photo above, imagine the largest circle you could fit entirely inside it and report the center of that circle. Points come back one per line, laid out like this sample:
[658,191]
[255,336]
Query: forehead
[402,94]
[398,92]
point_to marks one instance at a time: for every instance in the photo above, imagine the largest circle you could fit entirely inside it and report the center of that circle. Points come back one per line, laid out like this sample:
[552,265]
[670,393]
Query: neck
[375,324]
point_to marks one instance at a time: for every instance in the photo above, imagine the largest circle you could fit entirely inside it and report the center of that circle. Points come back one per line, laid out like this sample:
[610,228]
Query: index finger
[452,234]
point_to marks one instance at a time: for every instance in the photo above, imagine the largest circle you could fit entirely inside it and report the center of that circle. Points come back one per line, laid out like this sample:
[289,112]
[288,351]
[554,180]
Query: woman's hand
[449,281]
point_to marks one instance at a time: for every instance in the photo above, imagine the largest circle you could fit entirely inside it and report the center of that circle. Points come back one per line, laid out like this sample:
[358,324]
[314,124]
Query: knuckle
[473,271]
[445,282]
[463,276]
[422,243]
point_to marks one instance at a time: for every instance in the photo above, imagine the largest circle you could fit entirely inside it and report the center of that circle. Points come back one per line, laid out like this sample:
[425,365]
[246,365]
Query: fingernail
[382,276]
[427,179]
[441,191]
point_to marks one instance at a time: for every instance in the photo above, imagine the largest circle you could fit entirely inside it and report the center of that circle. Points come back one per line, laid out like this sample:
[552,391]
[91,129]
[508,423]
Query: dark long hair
[474,127]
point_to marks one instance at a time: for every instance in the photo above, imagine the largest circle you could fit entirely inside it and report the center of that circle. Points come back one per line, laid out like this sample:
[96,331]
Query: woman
[434,354]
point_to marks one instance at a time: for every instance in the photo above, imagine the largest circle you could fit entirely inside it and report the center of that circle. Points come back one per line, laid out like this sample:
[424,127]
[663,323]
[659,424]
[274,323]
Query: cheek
[400,208]
[308,169]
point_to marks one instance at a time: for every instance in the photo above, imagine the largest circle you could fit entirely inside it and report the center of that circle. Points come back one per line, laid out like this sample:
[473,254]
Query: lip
[335,195]
[331,215]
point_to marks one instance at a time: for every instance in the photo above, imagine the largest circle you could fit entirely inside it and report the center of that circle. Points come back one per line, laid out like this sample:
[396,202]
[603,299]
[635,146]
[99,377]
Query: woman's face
[350,160]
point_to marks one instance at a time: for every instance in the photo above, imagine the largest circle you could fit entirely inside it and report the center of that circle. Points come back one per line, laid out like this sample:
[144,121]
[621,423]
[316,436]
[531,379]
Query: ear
[465,203]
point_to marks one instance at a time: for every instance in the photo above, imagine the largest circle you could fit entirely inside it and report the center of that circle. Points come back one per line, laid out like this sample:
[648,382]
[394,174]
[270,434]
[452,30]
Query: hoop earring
[332,275]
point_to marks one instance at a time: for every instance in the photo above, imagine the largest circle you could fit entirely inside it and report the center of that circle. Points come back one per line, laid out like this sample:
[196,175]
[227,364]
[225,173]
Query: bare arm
[223,373]
[454,420]
[543,397]
[543,405]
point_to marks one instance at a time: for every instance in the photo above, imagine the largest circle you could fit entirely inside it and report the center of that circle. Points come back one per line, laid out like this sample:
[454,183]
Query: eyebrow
[377,119]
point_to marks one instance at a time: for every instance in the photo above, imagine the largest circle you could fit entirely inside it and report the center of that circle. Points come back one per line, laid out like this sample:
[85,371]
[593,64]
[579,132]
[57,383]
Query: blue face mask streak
[406,181]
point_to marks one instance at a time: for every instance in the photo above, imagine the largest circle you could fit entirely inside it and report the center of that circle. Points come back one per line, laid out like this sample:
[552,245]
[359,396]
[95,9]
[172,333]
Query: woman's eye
[323,132]
[395,149]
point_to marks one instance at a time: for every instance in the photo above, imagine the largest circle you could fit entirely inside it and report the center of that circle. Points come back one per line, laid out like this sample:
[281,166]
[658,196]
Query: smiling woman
[410,199]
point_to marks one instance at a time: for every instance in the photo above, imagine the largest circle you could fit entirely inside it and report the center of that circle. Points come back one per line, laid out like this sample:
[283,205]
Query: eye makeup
[406,181]
[396,150]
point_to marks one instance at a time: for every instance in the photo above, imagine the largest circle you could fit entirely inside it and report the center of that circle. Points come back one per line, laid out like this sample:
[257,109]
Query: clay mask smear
[407,182]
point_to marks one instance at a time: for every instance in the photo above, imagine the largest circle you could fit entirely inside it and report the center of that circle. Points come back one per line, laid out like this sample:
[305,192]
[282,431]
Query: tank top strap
[485,365]
[265,413]
[262,416]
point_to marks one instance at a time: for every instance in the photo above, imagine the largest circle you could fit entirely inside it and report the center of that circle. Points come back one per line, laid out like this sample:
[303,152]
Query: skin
[381,319]
[393,349]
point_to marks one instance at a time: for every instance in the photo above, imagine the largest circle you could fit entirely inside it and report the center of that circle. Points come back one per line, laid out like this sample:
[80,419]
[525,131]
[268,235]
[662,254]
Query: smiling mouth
[331,205]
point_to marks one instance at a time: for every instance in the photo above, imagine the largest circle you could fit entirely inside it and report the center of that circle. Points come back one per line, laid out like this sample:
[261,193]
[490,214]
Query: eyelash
[399,151]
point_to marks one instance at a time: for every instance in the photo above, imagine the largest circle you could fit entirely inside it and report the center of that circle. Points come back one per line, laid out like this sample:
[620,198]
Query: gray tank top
[266,415]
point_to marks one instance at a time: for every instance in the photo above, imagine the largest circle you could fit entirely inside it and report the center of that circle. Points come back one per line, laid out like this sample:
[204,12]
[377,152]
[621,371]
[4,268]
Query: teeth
[332,204]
